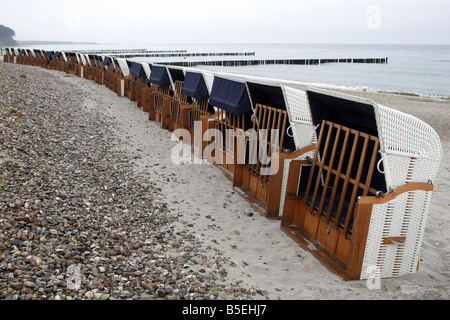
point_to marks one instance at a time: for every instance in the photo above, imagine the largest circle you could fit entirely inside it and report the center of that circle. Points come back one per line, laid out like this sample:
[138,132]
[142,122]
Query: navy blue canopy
[57,55]
[137,70]
[231,96]
[159,76]
[106,62]
[48,54]
[194,85]
[176,74]
[271,95]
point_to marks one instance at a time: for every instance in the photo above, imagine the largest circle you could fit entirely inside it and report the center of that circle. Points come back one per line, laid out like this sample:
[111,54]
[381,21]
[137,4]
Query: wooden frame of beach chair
[48,60]
[163,101]
[137,73]
[53,61]
[91,67]
[37,57]
[99,70]
[176,76]
[123,72]
[109,70]
[180,107]
[143,89]
[81,65]
[112,73]
[344,204]
[32,58]
[161,94]
[71,62]
[260,180]
[60,61]
[195,105]
[233,118]
[142,86]
[12,56]
[21,57]
[199,115]
[6,55]
[27,57]
[117,75]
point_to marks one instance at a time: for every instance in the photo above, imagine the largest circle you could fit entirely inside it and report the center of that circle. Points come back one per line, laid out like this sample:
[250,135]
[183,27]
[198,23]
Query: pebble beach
[93,208]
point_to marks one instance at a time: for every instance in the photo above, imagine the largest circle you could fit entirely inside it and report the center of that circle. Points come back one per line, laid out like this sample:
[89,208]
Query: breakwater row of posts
[181,54]
[128,51]
[144,53]
[238,63]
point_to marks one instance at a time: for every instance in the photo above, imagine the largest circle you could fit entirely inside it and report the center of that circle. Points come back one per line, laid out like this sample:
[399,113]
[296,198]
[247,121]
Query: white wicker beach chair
[125,72]
[382,234]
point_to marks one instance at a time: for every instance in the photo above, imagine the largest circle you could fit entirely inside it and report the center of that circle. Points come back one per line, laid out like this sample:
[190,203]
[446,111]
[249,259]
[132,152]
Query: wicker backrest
[411,149]
[300,117]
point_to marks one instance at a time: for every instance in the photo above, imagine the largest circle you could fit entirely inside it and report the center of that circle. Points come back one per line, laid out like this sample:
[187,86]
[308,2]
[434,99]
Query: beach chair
[177,77]
[7,55]
[195,94]
[91,67]
[81,64]
[108,64]
[111,70]
[233,118]
[53,60]
[260,180]
[143,87]
[60,61]
[360,203]
[20,58]
[137,73]
[41,59]
[37,57]
[117,74]
[161,94]
[49,59]
[99,69]
[123,72]
[26,56]
[70,62]
[32,57]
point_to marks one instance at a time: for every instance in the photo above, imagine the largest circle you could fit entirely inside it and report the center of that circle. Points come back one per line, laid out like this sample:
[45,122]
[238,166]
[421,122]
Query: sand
[264,256]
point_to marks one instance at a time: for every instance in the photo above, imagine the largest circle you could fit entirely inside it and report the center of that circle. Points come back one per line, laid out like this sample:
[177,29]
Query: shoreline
[254,251]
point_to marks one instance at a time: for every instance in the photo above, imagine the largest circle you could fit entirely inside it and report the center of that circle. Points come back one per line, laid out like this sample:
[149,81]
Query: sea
[413,70]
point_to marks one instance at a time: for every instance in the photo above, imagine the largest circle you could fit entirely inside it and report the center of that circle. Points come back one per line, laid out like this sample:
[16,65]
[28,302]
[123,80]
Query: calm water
[412,69]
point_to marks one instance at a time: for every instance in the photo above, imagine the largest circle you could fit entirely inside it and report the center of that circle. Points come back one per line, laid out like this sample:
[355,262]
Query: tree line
[7,36]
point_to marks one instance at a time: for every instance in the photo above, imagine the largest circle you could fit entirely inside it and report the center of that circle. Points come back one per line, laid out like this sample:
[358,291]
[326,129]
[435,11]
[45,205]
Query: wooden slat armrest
[298,153]
[214,117]
[186,106]
[393,194]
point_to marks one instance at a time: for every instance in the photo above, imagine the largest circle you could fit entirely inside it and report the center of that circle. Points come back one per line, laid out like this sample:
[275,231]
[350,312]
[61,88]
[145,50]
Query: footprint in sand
[434,243]
[444,267]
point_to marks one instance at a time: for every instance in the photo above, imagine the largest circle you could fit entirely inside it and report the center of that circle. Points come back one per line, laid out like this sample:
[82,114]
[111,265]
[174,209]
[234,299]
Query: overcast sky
[230,21]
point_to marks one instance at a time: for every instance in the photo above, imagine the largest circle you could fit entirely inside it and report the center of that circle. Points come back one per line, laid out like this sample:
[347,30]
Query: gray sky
[230,21]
